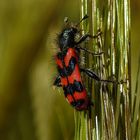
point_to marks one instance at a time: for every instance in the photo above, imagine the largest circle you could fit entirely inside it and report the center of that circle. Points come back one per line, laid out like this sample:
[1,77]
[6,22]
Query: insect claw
[123,82]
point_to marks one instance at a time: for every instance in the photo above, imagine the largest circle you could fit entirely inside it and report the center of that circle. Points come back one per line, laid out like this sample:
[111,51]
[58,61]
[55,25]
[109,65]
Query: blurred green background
[30,109]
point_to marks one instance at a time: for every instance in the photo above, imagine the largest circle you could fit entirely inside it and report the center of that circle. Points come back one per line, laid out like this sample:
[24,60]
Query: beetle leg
[88,51]
[84,37]
[93,75]
[57,81]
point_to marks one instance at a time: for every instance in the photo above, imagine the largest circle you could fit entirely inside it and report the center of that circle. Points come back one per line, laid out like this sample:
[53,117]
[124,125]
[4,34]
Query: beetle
[69,70]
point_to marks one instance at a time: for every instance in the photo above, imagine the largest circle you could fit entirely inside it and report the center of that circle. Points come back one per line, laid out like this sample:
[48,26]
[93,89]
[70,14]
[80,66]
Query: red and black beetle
[67,61]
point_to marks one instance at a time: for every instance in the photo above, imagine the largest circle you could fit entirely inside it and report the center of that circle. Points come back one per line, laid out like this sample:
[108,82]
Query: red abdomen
[74,90]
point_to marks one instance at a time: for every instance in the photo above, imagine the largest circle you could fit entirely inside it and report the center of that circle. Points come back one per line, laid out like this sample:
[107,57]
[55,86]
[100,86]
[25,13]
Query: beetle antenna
[85,17]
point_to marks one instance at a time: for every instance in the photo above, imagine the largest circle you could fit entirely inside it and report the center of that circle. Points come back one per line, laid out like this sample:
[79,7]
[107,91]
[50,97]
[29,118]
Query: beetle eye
[65,34]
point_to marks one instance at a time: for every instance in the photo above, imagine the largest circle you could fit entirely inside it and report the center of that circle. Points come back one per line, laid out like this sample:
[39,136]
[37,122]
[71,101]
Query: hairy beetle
[67,61]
